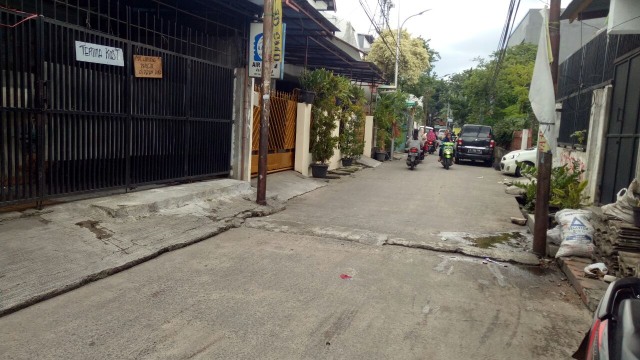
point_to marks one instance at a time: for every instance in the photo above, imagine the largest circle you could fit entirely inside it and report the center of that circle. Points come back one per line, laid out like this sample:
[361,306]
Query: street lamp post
[395,82]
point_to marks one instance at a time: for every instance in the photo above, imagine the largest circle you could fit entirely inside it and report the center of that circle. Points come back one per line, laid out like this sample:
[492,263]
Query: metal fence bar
[19,110]
[589,67]
[103,128]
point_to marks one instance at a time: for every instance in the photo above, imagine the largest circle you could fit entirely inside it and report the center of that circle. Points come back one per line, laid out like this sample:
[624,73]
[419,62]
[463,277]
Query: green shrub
[352,121]
[567,190]
[330,90]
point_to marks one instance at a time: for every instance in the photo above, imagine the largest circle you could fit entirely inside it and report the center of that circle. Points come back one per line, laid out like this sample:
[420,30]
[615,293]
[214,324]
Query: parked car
[509,162]
[475,142]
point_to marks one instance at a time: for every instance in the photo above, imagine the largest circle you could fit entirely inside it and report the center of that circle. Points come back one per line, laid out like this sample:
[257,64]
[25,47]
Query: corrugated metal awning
[310,42]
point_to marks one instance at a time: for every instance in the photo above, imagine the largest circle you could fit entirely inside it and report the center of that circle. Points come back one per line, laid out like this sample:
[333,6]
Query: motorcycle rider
[414,141]
[431,136]
[445,139]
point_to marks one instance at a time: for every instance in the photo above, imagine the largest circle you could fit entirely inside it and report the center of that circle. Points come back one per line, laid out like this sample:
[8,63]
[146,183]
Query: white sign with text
[99,54]
[255,54]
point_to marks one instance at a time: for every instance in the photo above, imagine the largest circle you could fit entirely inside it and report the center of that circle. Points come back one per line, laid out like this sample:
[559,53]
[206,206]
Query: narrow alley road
[416,204]
[429,207]
[249,294]
[261,294]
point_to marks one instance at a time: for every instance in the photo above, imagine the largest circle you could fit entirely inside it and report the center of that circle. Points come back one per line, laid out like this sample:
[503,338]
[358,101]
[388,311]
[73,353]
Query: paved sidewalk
[49,252]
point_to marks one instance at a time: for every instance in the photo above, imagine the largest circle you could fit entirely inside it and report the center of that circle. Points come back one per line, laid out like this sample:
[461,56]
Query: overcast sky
[460,30]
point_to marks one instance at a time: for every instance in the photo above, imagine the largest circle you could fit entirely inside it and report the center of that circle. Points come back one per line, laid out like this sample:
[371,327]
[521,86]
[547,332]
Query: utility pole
[544,157]
[395,85]
[267,66]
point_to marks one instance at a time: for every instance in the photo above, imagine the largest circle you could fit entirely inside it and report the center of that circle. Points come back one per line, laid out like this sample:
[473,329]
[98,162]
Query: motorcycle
[616,323]
[412,157]
[430,147]
[447,154]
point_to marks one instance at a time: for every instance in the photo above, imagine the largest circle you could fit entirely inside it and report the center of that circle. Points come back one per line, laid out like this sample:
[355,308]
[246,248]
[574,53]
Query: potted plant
[389,107]
[324,113]
[306,96]
[311,82]
[580,137]
[352,121]
[381,139]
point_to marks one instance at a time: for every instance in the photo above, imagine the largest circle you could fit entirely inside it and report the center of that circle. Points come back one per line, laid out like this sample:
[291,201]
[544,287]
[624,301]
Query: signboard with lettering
[100,54]
[255,53]
[147,66]
[276,50]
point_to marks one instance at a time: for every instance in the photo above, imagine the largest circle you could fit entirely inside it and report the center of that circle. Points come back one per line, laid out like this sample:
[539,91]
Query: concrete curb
[110,271]
[154,200]
[522,258]
[590,290]
[370,238]
[337,233]
[235,221]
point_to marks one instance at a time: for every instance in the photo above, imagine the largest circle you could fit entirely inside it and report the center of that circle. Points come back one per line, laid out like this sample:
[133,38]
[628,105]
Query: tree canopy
[414,61]
[478,96]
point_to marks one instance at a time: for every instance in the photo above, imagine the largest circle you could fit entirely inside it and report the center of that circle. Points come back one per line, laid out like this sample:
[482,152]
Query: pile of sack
[627,199]
[574,233]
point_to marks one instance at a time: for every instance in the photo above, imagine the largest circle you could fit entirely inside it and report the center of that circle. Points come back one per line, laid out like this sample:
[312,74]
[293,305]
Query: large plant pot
[381,155]
[319,170]
[347,162]
[306,97]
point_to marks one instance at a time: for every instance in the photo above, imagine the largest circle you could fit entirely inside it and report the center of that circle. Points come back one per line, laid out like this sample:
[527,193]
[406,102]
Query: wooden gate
[282,133]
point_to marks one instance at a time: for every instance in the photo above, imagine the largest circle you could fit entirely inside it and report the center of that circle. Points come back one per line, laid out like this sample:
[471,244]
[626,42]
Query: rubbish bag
[622,209]
[576,233]
[597,269]
[554,235]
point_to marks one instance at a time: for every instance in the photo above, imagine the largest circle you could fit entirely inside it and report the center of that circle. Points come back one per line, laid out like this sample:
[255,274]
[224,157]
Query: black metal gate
[623,135]
[68,126]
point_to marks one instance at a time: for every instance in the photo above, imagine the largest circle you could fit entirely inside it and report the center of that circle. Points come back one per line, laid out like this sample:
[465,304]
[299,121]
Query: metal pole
[267,65]
[395,81]
[400,26]
[395,84]
[544,158]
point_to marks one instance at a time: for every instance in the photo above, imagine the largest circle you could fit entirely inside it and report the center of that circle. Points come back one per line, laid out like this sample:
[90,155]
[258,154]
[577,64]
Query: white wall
[303,139]
[242,126]
[598,124]
[368,136]
[334,162]
[591,159]
[624,17]
[303,158]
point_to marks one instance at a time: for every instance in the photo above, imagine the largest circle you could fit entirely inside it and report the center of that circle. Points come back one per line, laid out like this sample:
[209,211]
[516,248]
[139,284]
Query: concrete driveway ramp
[368,162]
[287,185]
[151,201]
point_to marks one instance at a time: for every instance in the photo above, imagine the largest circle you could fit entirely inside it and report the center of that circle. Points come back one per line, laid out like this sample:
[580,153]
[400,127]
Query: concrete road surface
[251,294]
[415,205]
